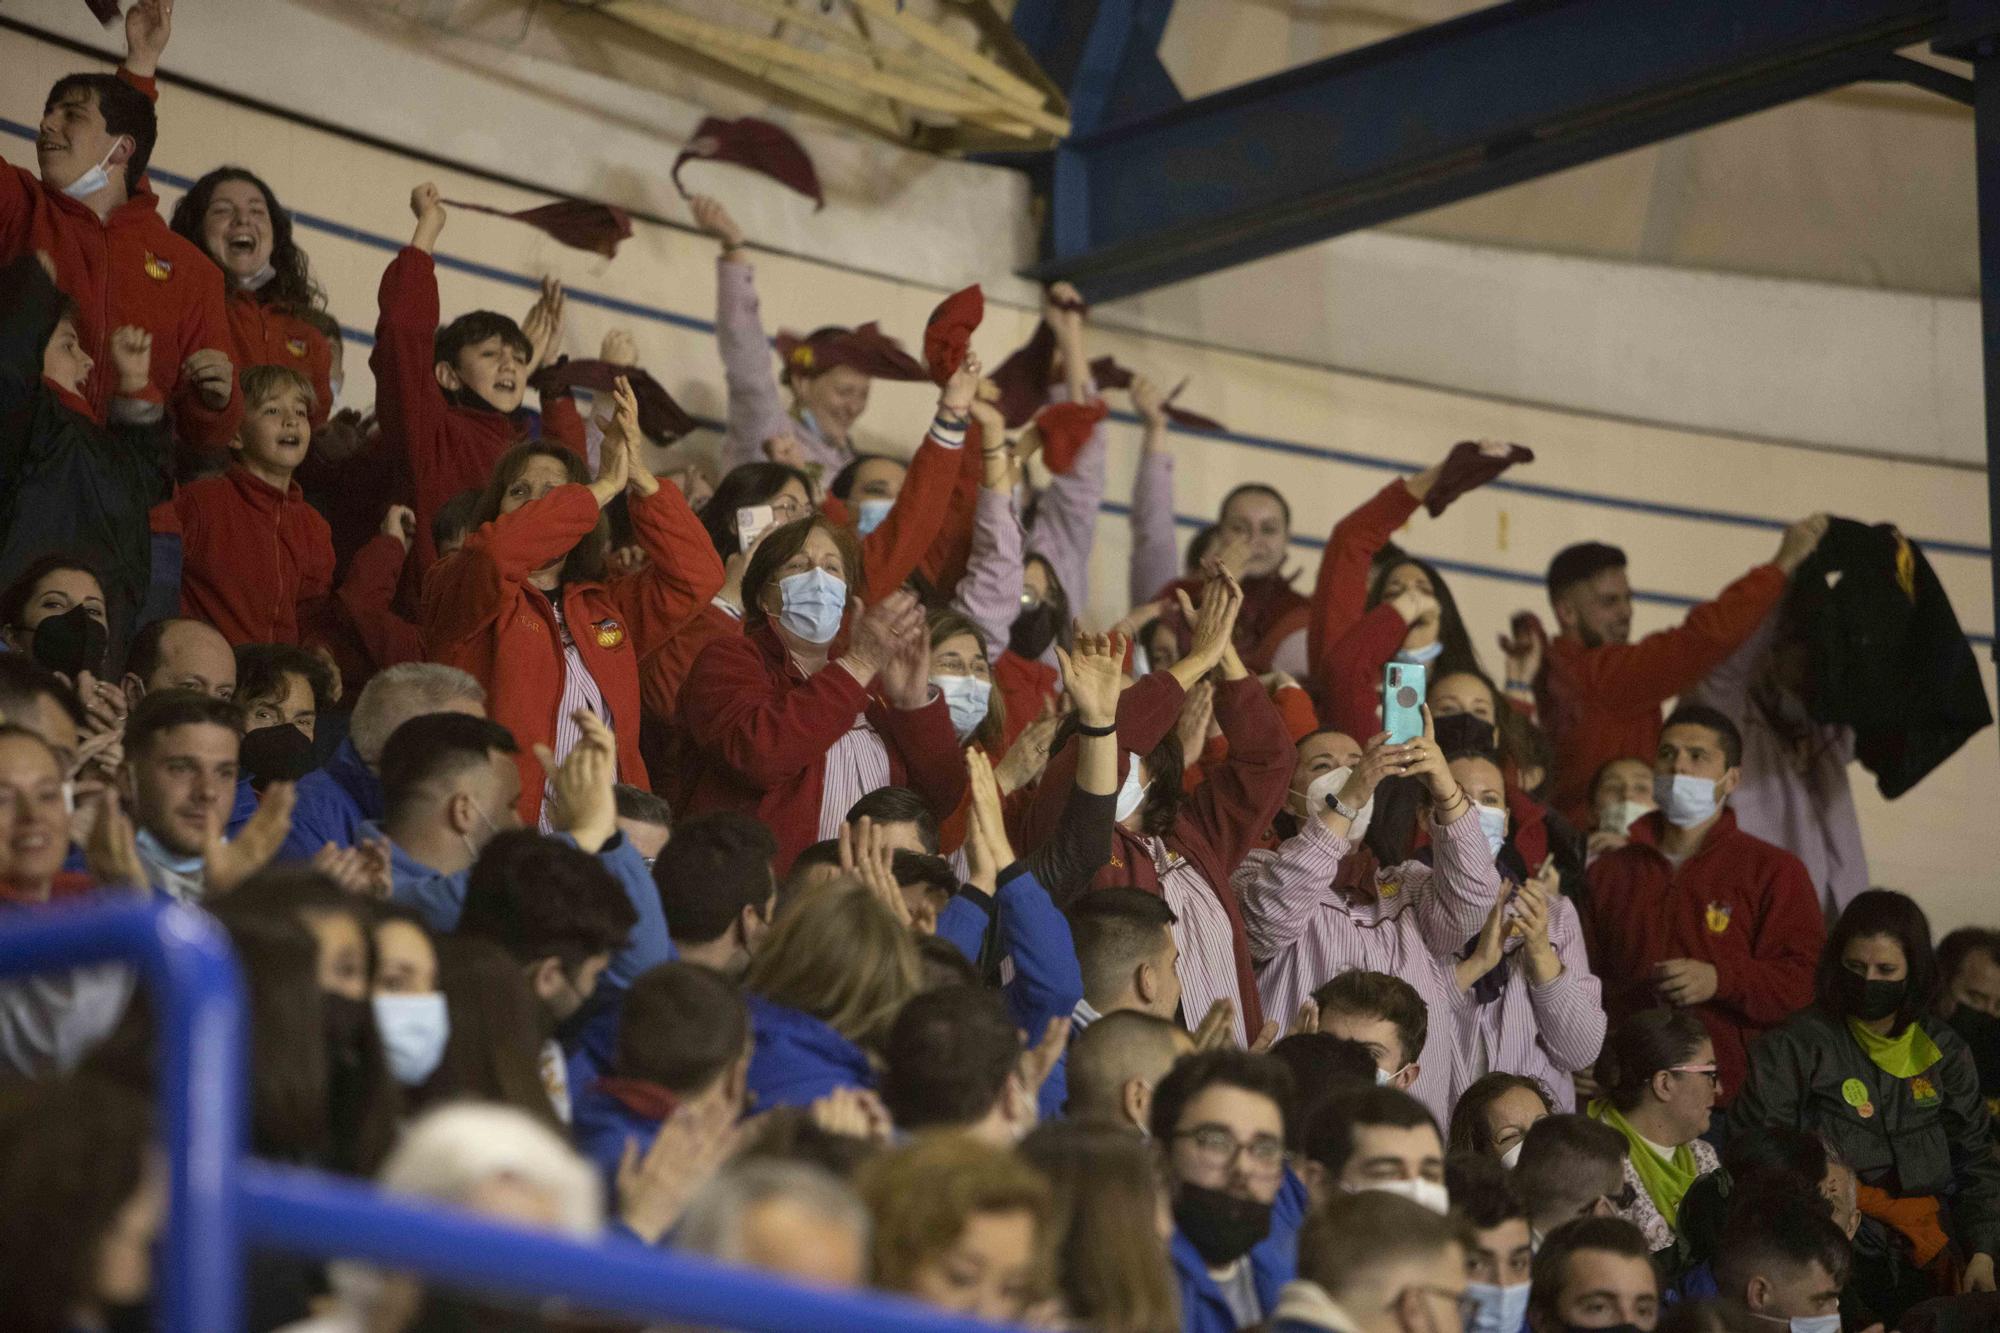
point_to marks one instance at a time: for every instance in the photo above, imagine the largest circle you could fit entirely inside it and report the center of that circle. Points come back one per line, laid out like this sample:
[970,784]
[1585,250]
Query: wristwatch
[1342,808]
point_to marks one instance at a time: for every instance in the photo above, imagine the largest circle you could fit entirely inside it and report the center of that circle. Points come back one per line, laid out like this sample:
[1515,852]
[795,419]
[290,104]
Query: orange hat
[950,329]
[1065,429]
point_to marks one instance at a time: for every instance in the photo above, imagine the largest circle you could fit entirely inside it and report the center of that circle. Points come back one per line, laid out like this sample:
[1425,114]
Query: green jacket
[1928,1135]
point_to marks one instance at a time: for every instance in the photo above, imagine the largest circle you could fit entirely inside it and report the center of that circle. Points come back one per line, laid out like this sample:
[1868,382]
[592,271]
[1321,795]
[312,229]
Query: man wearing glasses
[1374,1263]
[1219,1121]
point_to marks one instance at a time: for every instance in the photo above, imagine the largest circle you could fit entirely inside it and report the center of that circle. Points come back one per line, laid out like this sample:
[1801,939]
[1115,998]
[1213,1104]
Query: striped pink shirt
[579,691]
[1303,933]
[1207,963]
[1547,1032]
[857,764]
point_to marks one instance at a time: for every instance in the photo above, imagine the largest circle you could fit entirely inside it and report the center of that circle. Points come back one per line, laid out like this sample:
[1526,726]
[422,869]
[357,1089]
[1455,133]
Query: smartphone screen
[752,521]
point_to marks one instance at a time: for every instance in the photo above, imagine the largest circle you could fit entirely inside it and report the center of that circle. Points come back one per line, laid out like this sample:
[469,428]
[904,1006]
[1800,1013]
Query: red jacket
[368,632]
[269,336]
[891,553]
[481,614]
[1340,592]
[1272,612]
[257,561]
[1738,902]
[1220,821]
[671,756]
[763,728]
[449,448]
[128,269]
[1603,703]
[1025,685]
[1351,677]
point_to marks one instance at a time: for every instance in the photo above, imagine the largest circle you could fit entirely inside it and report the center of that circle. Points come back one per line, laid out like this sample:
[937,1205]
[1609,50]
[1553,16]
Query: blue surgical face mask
[868,515]
[1423,656]
[414,1030]
[1131,794]
[967,697]
[1811,1323]
[811,604]
[1686,800]
[1497,1309]
[93,180]
[1493,823]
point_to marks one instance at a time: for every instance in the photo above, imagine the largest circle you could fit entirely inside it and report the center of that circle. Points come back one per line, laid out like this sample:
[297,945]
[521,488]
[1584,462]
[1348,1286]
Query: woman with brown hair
[527,607]
[793,730]
[959,1225]
[824,988]
[1111,1271]
[494,1051]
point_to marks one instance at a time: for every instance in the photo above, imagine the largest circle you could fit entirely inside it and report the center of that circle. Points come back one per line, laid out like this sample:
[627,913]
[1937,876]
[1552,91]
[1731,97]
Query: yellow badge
[1717,917]
[610,634]
[1854,1092]
[158,269]
[1922,1090]
[1389,888]
[296,346]
[1906,567]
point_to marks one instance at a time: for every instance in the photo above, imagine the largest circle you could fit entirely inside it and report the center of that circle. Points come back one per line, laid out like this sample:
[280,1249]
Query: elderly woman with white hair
[491,1160]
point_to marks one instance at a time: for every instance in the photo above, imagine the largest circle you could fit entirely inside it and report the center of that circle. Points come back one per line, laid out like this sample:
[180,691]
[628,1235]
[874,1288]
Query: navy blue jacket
[796,1059]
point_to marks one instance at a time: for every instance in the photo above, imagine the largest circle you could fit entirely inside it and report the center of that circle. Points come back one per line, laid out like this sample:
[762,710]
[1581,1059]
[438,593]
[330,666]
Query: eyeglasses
[784,508]
[1708,1070]
[1216,1148]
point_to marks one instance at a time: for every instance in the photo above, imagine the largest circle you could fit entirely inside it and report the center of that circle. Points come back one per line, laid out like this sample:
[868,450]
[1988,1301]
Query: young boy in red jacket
[258,558]
[449,397]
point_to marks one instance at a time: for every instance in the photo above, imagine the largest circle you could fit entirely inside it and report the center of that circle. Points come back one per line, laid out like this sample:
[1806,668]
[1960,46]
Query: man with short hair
[1373,1264]
[1699,914]
[1594,1272]
[1374,1139]
[901,816]
[36,699]
[683,1045]
[449,786]
[1125,945]
[646,821]
[179,654]
[1115,1064]
[179,778]
[1500,1259]
[1598,693]
[1386,1015]
[953,1061]
[92,212]
[787,1218]
[336,799]
[1218,1120]
[1570,1166]
[563,917]
[717,890]
[1782,1258]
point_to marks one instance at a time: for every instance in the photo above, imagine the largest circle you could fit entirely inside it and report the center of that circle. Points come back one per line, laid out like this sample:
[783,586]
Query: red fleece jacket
[1739,903]
[128,269]
[268,336]
[1603,703]
[900,542]
[763,728]
[481,614]
[258,562]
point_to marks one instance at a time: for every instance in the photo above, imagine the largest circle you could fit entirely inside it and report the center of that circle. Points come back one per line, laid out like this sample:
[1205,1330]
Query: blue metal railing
[221,1201]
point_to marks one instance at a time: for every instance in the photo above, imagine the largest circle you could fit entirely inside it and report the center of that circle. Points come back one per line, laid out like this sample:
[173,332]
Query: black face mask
[1868,1000]
[1034,630]
[1221,1227]
[71,643]
[1982,1033]
[281,753]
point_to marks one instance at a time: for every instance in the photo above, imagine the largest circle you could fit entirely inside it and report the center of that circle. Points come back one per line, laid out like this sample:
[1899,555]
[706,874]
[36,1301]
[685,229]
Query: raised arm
[409,404]
[1567,1000]
[892,552]
[989,594]
[682,570]
[1156,559]
[1065,527]
[756,407]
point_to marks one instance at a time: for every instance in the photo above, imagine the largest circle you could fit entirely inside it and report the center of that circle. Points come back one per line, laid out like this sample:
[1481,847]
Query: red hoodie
[258,562]
[1603,703]
[482,615]
[1738,902]
[128,269]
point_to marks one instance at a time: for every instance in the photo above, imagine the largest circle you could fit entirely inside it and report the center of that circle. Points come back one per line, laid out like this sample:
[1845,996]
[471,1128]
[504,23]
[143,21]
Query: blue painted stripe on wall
[1271,444]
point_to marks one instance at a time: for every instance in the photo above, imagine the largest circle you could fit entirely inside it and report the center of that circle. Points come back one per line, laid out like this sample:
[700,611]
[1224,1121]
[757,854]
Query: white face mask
[1328,784]
[967,697]
[256,281]
[811,604]
[1429,1193]
[1131,794]
[93,180]
[1806,1323]
[1493,823]
[1512,1157]
[414,1030]
[1620,817]
[1497,1309]
[868,515]
[1686,800]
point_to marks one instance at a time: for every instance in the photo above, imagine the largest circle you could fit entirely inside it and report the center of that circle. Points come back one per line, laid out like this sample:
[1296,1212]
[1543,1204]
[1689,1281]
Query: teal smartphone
[1403,701]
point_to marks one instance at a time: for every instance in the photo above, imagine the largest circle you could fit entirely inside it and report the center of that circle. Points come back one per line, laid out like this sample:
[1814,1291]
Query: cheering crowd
[767,860]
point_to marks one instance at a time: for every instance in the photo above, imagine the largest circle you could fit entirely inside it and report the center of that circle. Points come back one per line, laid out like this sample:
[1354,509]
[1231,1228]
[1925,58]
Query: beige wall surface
[1693,509]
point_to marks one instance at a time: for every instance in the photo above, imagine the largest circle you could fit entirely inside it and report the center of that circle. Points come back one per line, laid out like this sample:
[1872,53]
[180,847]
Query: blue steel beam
[1497,97]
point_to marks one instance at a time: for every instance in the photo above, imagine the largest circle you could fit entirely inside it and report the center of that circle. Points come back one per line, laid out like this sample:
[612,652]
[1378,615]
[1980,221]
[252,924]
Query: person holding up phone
[1306,924]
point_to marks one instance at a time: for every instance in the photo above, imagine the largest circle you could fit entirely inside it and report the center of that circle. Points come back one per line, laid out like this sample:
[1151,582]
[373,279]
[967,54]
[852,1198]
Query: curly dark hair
[294,286]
